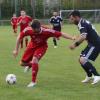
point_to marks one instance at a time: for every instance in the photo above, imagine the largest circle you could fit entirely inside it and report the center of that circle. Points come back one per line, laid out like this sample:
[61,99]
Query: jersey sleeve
[82,29]
[19,19]
[25,32]
[51,20]
[53,33]
[61,19]
[30,19]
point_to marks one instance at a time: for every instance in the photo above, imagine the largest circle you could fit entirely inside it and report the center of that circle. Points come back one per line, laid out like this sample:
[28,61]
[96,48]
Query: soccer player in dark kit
[37,46]
[92,50]
[56,22]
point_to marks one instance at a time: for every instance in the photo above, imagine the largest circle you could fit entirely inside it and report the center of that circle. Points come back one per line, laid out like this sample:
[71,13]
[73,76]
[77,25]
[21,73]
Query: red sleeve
[53,33]
[18,19]
[30,19]
[26,32]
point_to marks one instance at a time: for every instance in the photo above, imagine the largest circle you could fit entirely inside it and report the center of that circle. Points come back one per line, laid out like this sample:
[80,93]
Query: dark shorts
[57,28]
[90,52]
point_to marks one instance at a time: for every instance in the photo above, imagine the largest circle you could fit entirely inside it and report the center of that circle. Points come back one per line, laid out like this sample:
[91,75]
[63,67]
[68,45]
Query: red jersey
[24,22]
[40,39]
[14,20]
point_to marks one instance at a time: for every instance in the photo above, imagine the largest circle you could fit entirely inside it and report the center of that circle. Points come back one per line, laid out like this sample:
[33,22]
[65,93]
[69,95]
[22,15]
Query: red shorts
[30,52]
[14,26]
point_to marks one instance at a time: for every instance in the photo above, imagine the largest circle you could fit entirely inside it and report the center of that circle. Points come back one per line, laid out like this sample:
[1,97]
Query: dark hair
[75,13]
[36,24]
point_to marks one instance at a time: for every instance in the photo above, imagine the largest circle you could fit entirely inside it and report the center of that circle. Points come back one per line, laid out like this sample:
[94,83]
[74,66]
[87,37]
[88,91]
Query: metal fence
[43,8]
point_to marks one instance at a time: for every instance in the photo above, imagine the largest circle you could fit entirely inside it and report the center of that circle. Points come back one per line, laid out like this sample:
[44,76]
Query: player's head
[55,13]
[14,15]
[75,17]
[36,26]
[22,13]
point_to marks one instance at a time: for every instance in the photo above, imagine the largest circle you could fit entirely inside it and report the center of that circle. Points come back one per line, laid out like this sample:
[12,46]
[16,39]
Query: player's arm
[61,21]
[11,22]
[18,41]
[26,32]
[51,23]
[19,21]
[78,41]
[82,36]
[53,33]
[67,36]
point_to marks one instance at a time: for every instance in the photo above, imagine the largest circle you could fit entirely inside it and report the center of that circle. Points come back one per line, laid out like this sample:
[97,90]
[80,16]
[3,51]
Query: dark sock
[54,41]
[91,69]
[89,74]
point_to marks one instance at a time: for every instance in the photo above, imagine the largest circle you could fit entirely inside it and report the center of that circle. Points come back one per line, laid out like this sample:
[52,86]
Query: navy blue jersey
[85,27]
[56,21]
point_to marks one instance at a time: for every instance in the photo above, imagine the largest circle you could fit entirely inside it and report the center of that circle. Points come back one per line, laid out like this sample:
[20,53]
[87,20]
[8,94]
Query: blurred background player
[24,21]
[56,22]
[37,46]
[14,23]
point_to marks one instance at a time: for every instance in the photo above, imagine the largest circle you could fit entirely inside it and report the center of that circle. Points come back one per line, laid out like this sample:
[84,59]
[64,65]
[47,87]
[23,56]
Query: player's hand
[74,38]
[72,47]
[15,53]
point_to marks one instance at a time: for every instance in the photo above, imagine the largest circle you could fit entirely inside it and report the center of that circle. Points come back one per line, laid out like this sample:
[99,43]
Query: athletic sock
[91,68]
[34,71]
[89,74]
[54,41]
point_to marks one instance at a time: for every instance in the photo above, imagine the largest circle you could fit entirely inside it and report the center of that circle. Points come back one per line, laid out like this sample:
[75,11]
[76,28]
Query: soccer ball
[11,79]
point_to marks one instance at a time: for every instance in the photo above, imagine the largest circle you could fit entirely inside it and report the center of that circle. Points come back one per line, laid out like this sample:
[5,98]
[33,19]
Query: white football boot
[87,79]
[96,80]
[31,84]
[55,47]
[26,69]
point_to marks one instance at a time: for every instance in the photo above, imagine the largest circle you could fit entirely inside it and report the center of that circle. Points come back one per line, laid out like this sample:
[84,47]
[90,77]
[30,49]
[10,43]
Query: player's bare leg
[15,32]
[26,41]
[22,44]
[26,66]
[89,69]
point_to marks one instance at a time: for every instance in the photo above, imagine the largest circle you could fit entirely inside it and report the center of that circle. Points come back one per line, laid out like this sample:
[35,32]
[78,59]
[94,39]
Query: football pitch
[59,76]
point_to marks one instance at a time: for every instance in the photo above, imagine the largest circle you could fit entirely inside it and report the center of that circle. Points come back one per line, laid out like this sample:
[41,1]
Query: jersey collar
[79,21]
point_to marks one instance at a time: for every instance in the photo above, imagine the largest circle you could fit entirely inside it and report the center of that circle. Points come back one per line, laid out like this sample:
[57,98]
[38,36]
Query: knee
[35,60]
[82,60]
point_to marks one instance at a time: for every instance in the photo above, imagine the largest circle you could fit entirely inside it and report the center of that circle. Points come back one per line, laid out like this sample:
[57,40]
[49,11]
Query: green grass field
[59,76]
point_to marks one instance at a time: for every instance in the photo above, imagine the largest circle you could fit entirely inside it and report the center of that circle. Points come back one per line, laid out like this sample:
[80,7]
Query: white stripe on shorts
[90,52]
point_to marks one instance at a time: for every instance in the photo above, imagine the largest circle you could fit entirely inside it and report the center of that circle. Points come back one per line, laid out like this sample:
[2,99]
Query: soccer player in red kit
[14,23]
[24,21]
[37,46]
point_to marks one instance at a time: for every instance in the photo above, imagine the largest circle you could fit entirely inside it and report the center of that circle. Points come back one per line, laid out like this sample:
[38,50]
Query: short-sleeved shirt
[14,20]
[56,21]
[92,37]
[40,39]
[24,22]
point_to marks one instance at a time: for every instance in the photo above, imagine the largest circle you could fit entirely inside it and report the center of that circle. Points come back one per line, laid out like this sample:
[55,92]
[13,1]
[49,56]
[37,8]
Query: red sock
[34,71]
